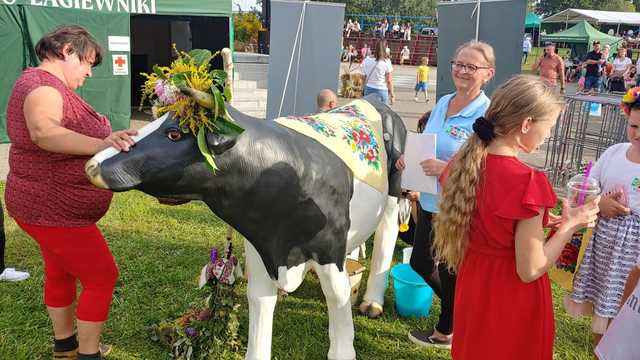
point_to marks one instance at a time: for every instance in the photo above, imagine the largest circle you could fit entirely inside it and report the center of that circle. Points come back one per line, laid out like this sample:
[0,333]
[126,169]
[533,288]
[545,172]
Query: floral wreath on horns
[195,93]
[629,99]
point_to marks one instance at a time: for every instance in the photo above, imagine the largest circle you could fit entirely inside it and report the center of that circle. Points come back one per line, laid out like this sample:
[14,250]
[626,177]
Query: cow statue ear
[219,143]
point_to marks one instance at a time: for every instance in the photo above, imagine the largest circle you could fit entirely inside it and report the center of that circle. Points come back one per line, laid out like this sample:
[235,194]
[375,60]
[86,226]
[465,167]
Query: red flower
[569,255]
[370,155]
[364,136]
[355,136]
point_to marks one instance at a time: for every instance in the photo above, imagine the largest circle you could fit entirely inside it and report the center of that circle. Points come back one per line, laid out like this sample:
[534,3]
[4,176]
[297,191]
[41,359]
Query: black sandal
[427,339]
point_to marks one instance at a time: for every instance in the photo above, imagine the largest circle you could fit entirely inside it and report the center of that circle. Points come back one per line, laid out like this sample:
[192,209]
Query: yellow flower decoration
[194,93]
[630,98]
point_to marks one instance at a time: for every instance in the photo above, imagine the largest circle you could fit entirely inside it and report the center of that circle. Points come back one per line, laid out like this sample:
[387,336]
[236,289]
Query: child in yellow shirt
[422,78]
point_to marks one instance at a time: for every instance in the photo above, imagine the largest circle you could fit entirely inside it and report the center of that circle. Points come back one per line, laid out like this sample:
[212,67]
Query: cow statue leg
[384,243]
[262,296]
[337,291]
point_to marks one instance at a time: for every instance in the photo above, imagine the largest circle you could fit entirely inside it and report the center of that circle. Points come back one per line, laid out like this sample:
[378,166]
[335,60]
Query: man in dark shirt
[594,62]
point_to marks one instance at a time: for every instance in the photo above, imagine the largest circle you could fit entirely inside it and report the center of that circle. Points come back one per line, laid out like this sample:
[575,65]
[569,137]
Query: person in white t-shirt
[377,71]
[395,28]
[407,32]
[620,342]
[526,49]
[356,26]
[348,27]
[614,248]
[621,64]
[405,54]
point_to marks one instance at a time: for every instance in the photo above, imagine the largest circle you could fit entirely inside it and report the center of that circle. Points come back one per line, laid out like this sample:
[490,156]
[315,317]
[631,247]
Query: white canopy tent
[573,16]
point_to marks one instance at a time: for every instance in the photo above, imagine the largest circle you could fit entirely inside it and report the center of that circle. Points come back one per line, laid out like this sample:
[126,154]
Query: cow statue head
[163,154]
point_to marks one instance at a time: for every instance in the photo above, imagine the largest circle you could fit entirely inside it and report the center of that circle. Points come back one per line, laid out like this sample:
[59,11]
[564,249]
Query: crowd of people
[479,241]
[484,251]
[381,29]
[597,71]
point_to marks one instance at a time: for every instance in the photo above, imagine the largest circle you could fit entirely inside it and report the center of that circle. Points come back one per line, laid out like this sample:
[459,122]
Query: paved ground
[405,106]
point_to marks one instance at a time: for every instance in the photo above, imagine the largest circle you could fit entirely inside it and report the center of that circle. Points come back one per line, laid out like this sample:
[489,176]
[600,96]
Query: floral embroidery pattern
[356,132]
[635,184]
[319,126]
[569,257]
[362,140]
[349,110]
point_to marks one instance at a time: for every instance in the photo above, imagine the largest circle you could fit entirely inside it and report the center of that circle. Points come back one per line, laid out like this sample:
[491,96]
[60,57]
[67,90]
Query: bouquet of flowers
[209,331]
[195,93]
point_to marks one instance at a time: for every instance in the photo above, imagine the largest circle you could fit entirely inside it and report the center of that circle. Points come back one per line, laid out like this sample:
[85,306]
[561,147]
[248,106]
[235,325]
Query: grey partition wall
[304,55]
[501,25]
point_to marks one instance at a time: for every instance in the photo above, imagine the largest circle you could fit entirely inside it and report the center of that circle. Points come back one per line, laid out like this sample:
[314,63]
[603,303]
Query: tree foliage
[549,7]
[390,7]
[246,26]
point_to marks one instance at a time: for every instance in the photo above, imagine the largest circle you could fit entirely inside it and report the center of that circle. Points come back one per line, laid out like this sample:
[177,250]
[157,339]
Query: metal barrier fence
[581,135]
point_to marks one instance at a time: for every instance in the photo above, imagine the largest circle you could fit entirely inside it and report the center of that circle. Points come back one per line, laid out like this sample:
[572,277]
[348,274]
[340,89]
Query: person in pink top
[550,67]
[53,133]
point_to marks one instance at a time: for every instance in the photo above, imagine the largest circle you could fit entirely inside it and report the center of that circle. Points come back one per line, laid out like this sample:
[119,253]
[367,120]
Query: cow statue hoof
[371,310]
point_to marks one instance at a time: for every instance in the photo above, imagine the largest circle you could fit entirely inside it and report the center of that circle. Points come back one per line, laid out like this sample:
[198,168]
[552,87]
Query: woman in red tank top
[490,229]
[53,132]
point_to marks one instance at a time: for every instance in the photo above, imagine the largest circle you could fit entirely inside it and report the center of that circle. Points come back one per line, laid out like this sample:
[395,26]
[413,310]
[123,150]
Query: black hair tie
[484,129]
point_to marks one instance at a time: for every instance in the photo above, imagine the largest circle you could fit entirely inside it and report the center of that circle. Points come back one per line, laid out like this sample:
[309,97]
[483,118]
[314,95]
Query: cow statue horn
[203,99]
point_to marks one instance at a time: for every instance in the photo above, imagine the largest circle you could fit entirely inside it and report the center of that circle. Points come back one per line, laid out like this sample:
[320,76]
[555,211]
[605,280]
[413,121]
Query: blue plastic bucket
[413,295]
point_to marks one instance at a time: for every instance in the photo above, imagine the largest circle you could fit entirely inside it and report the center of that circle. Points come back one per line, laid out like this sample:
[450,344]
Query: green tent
[581,36]
[133,33]
[532,21]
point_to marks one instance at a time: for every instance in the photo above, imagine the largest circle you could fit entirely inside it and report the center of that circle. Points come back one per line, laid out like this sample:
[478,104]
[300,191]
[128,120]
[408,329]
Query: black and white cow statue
[295,201]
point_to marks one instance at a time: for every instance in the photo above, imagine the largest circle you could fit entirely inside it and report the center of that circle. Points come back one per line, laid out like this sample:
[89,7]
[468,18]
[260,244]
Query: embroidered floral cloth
[566,267]
[354,133]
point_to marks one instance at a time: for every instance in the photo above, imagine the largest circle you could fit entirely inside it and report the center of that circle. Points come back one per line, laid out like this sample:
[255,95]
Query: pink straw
[585,181]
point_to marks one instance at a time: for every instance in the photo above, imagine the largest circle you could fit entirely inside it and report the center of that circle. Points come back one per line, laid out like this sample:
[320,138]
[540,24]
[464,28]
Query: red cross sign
[119,61]
[120,64]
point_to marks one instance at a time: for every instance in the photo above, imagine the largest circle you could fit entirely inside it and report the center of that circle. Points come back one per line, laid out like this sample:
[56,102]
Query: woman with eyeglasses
[451,120]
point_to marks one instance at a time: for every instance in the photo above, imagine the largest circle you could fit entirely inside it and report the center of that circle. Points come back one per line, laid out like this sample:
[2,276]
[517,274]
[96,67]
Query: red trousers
[76,253]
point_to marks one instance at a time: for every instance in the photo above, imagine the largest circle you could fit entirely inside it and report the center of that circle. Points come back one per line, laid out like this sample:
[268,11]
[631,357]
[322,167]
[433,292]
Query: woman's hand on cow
[433,167]
[120,140]
[400,164]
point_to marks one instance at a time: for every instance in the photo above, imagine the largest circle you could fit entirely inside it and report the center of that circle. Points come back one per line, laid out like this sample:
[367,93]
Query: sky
[244,4]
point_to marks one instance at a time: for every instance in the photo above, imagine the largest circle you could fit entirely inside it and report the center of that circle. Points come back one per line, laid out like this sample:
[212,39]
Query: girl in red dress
[490,229]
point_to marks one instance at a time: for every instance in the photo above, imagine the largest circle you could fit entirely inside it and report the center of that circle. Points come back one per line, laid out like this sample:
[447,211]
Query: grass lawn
[160,251]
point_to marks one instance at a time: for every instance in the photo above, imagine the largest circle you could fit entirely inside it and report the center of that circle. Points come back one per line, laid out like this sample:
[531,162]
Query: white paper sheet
[419,147]
[119,43]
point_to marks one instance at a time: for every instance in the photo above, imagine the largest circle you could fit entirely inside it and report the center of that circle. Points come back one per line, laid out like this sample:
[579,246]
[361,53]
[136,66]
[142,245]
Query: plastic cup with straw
[581,187]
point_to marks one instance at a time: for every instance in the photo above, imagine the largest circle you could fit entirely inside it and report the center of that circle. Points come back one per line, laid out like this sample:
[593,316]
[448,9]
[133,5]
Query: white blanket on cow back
[354,133]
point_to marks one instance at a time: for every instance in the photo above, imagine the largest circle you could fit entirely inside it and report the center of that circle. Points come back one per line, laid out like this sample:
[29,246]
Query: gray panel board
[501,25]
[319,56]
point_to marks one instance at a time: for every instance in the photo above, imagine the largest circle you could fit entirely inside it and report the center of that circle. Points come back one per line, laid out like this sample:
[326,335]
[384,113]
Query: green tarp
[581,36]
[582,32]
[532,21]
[24,22]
